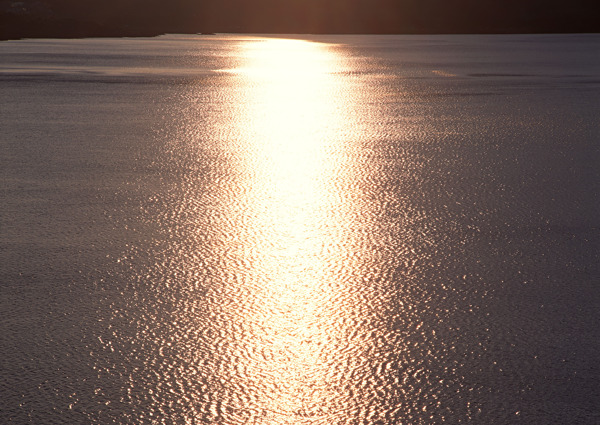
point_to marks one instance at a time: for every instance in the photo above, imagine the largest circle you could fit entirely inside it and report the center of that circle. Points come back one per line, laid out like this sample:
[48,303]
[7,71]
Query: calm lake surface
[329,230]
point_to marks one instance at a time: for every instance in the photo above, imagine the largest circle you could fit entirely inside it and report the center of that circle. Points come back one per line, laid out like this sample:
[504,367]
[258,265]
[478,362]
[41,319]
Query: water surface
[327,230]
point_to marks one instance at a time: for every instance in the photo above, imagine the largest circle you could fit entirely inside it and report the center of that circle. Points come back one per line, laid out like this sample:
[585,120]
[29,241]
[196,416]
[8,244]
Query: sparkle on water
[288,220]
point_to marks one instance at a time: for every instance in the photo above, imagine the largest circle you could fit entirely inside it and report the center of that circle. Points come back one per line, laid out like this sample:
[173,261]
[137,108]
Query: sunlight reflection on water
[292,214]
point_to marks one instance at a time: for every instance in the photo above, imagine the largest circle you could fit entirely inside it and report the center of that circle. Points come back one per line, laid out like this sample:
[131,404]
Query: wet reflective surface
[334,230]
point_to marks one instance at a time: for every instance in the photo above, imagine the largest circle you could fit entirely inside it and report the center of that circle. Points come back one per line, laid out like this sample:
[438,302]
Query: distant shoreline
[126,34]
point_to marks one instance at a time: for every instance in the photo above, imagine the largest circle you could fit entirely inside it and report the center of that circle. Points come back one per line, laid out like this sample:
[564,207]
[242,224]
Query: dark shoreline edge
[143,34]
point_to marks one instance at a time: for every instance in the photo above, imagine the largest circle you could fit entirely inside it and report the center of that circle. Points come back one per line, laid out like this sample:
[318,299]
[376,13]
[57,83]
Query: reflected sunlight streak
[293,215]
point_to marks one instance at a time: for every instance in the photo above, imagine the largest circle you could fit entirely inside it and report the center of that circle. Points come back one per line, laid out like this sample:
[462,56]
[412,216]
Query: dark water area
[327,230]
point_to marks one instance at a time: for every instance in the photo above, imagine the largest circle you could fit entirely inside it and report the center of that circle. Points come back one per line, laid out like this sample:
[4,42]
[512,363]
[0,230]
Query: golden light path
[291,251]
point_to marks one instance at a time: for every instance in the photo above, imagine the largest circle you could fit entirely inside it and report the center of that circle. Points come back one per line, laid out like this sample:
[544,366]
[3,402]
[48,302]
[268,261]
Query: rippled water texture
[331,230]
